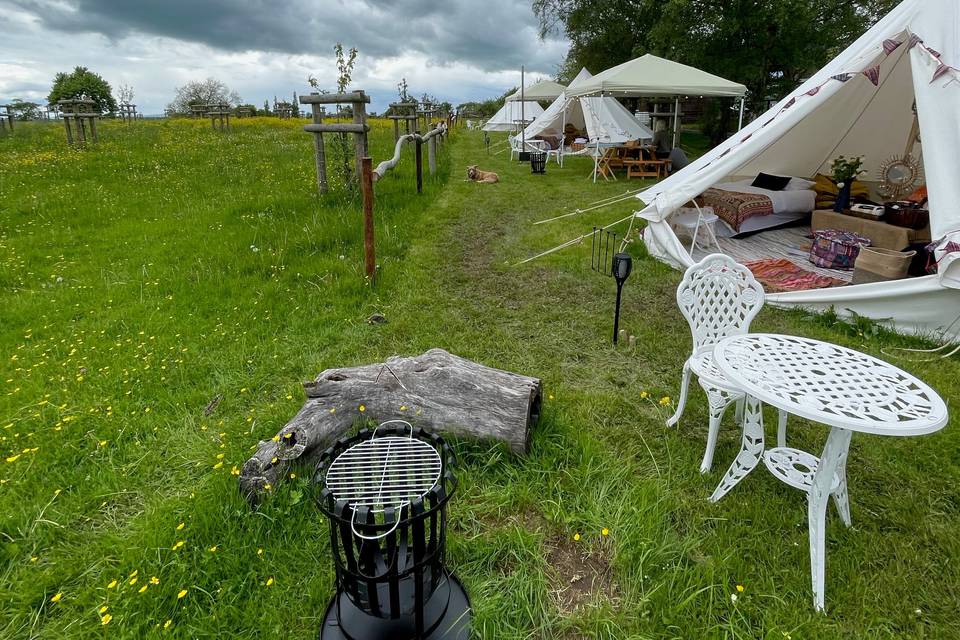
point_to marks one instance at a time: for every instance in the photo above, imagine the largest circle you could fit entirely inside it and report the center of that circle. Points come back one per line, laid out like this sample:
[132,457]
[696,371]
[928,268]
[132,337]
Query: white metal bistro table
[825,383]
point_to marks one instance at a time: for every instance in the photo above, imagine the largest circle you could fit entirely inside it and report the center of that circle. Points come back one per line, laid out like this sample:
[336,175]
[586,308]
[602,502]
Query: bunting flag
[843,77]
[873,73]
[745,138]
[890,45]
[814,91]
[914,40]
[933,52]
[792,102]
[940,71]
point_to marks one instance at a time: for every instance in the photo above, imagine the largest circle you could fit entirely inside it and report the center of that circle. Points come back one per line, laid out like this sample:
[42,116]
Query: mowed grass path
[144,277]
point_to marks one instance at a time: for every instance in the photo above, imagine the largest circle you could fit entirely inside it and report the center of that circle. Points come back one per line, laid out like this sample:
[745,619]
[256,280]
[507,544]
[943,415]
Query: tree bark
[436,390]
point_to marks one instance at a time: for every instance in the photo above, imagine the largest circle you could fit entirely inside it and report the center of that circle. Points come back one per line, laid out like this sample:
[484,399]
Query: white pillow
[799,184]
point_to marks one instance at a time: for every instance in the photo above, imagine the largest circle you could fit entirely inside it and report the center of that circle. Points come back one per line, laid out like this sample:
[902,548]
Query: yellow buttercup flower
[665,400]
[644,395]
[103,609]
[269,582]
[362,408]
[182,594]
[106,619]
[112,584]
[178,544]
[166,625]
[154,580]
[604,531]
[576,537]
[739,588]
[181,526]
[57,596]
[142,589]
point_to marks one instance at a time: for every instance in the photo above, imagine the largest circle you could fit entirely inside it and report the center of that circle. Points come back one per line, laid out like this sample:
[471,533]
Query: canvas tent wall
[510,115]
[545,90]
[604,119]
[860,103]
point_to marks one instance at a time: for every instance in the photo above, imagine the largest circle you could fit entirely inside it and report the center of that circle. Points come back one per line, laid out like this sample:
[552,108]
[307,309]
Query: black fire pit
[385,494]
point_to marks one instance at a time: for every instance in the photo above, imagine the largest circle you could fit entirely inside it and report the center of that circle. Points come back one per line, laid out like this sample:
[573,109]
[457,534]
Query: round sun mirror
[898,175]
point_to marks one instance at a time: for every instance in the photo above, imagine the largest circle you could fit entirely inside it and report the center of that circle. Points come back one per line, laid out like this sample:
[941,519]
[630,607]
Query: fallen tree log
[436,390]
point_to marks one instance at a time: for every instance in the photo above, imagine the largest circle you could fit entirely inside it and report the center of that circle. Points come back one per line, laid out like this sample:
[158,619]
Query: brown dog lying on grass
[487,177]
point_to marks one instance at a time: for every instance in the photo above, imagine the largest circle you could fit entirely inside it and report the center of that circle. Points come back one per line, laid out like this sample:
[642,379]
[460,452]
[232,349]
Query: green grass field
[145,275]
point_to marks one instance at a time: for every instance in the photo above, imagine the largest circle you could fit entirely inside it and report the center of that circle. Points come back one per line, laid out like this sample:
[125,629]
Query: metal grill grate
[384,472]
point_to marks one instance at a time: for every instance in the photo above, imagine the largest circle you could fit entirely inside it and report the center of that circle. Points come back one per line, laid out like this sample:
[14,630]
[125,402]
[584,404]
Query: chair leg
[782,429]
[684,389]
[738,416]
[718,405]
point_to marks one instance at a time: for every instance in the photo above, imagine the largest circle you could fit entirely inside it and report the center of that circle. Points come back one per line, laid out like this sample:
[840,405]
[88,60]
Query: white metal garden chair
[719,298]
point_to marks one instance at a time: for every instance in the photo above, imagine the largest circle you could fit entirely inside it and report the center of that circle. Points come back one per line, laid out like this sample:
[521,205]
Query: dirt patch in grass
[578,576]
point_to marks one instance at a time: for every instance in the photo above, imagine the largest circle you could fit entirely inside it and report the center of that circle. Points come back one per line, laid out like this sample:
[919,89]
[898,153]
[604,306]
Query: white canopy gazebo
[649,76]
[545,90]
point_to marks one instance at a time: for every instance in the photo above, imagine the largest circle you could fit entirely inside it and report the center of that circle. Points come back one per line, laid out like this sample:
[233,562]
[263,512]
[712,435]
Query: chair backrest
[719,298]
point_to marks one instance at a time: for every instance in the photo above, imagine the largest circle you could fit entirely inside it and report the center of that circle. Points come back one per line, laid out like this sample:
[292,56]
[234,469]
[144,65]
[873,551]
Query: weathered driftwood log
[436,390]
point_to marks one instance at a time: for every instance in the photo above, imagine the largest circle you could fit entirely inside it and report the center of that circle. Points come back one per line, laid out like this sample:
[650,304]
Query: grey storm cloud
[488,34]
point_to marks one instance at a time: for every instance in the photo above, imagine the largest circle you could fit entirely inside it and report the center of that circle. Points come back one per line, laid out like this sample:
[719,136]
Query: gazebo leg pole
[740,126]
[676,121]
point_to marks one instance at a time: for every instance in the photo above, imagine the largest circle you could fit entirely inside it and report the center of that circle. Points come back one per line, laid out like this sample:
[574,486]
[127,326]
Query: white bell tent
[545,90]
[859,104]
[513,115]
[606,121]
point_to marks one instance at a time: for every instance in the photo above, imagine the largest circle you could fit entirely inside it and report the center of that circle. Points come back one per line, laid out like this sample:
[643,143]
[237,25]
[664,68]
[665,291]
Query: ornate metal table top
[830,384]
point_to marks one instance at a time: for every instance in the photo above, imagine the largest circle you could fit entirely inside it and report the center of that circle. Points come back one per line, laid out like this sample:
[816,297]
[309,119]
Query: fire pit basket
[385,495]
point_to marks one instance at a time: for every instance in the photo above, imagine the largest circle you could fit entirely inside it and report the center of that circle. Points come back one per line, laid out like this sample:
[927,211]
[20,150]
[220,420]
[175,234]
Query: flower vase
[843,198]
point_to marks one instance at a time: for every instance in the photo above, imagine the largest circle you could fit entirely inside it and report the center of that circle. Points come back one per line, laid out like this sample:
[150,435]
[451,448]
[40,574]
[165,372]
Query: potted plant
[845,171]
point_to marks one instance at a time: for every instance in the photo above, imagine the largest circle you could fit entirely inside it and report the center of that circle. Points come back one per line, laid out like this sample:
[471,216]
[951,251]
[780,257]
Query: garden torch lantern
[385,495]
[620,269]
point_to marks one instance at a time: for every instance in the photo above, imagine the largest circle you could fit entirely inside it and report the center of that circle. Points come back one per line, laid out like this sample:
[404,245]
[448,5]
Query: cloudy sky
[456,50]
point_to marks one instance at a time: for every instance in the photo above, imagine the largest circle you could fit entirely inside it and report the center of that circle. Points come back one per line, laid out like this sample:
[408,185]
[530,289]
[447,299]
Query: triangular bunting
[814,91]
[940,71]
[792,102]
[842,77]
[914,40]
[933,52]
[745,138]
[890,45]
[873,73]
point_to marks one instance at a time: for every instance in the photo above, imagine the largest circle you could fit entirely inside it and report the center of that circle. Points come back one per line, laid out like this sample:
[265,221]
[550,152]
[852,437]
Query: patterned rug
[779,274]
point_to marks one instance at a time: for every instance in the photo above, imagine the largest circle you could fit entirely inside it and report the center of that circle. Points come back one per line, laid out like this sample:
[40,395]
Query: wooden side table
[881,234]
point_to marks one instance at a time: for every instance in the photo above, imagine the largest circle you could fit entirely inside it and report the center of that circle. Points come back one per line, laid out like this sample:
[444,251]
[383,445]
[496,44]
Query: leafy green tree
[83,83]
[209,91]
[23,110]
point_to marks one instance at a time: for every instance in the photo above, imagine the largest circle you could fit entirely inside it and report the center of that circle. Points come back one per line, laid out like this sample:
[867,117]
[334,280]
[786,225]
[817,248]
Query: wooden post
[366,183]
[81,130]
[66,122]
[432,155]
[93,129]
[360,139]
[396,129]
[419,156]
[321,156]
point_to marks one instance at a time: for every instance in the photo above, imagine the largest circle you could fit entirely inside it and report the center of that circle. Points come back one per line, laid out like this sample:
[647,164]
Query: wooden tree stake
[369,252]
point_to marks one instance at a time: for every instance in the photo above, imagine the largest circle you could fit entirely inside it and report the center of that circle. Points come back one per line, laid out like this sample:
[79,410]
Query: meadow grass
[168,264]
